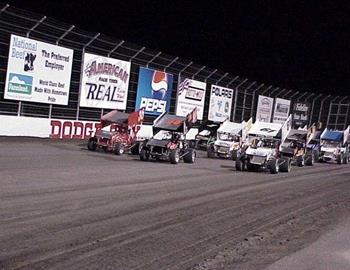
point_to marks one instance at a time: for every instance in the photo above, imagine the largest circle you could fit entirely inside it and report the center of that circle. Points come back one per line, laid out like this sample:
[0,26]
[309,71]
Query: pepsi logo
[159,84]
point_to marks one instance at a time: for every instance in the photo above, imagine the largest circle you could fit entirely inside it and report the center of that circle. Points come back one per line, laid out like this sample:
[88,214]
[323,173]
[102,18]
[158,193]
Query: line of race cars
[258,146]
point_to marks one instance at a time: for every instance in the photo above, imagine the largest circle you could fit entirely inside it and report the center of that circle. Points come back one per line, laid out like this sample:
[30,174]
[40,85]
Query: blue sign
[154,91]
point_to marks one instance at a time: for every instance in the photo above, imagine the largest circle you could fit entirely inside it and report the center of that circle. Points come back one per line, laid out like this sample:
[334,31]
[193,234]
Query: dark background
[292,44]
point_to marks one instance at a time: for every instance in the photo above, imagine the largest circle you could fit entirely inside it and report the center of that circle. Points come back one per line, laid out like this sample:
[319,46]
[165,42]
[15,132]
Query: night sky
[294,45]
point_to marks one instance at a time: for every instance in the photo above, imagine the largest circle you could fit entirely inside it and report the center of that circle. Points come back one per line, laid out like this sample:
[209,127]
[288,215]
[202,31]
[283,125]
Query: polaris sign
[220,103]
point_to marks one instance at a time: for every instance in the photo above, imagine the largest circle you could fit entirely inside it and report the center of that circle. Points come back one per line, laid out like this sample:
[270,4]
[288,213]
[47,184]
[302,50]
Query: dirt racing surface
[63,207]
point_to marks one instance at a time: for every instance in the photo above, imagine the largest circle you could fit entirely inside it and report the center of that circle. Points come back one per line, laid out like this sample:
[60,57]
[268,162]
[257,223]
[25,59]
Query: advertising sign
[301,112]
[281,111]
[190,94]
[154,91]
[38,71]
[105,82]
[220,103]
[264,109]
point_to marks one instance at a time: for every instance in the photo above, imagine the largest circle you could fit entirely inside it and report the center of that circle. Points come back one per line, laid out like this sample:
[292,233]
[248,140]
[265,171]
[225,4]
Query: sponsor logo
[265,102]
[20,84]
[190,91]
[222,92]
[159,84]
[301,107]
[96,69]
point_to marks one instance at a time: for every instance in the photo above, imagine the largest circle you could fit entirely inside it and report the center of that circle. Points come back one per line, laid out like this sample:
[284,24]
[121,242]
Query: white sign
[190,94]
[105,82]
[264,109]
[38,71]
[220,103]
[281,111]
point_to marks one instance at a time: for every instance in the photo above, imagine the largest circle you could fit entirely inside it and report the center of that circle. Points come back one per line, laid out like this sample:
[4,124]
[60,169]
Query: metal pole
[35,26]
[222,78]
[137,53]
[172,62]
[4,8]
[302,95]
[236,96]
[206,78]
[253,99]
[245,98]
[321,108]
[116,47]
[267,89]
[330,111]
[295,93]
[230,82]
[82,71]
[64,34]
[199,70]
[154,57]
[312,108]
[271,93]
[182,70]
[286,94]
[346,116]
[309,96]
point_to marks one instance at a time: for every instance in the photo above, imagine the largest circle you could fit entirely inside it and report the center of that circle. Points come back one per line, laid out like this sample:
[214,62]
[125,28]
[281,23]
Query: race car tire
[346,158]
[300,161]
[309,159]
[135,149]
[273,166]
[285,164]
[339,159]
[174,156]
[144,154]
[119,149]
[234,154]
[92,144]
[210,151]
[239,165]
[316,156]
[190,156]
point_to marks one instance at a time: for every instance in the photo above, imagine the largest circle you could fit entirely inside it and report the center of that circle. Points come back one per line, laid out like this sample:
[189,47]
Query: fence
[331,110]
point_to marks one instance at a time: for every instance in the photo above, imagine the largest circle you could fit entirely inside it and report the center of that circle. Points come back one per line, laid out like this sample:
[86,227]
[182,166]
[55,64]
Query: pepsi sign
[154,91]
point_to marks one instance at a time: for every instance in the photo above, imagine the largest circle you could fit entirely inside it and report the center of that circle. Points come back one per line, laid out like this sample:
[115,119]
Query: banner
[264,109]
[105,82]
[38,71]
[281,111]
[220,103]
[301,112]
[190,94]
[154,91]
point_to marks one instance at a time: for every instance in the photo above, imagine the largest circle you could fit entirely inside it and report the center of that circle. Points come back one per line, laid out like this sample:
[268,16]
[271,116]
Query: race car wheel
[135,150]
[285,164]
[234,154]
[174,156]
[119,149]
[92,144]
[273,166]
[190,156]
[309,159]
[339,159]
[346,158]
[210,151]
[239,165]
[300,161]
[144,154]
[316,156]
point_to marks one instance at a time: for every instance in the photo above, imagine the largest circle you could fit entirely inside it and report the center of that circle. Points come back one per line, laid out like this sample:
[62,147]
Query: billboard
[301,111]
[281,111]
[220,103]
[190,94]
[105,82]
[264,109]
[38,71]
[153,91]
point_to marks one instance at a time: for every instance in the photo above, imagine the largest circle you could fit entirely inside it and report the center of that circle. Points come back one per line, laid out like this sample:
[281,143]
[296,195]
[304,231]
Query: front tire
[300,161]
[190,156]
[119,149]
[310,159]
[286,164]
[92,145]
[210,151]
[273,166]
[174,156]
[144,154]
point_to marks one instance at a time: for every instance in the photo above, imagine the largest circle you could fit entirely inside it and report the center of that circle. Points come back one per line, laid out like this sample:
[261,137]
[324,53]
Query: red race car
[118,132]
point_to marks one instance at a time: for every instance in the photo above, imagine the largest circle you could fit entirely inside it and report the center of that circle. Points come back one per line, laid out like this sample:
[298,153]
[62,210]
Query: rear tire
[234,154]
[144,154]
[119,149]
[135,150]
[210,151]
[300,161]
[346,158]
[273,166]
[310,159]
[239,165]
[92,144]
[339,159]
[174,156]
[286,164]
[190,156]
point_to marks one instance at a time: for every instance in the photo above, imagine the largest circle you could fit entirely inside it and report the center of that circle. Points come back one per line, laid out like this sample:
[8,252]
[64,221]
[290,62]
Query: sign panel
[38,71]
[105,82]
[154,91]
[264,109]
[301,112]
[220,103]
[281,111]
[190,94]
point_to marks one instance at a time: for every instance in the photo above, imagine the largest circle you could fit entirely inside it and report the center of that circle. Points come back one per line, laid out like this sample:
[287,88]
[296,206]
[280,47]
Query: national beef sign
[220,103]
[105,82]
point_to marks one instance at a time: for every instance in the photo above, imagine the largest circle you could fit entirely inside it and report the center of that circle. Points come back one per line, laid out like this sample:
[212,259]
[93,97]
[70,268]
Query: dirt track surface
[63,207]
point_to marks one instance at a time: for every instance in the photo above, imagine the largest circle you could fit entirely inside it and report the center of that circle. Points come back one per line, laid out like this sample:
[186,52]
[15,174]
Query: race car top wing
[114,116]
